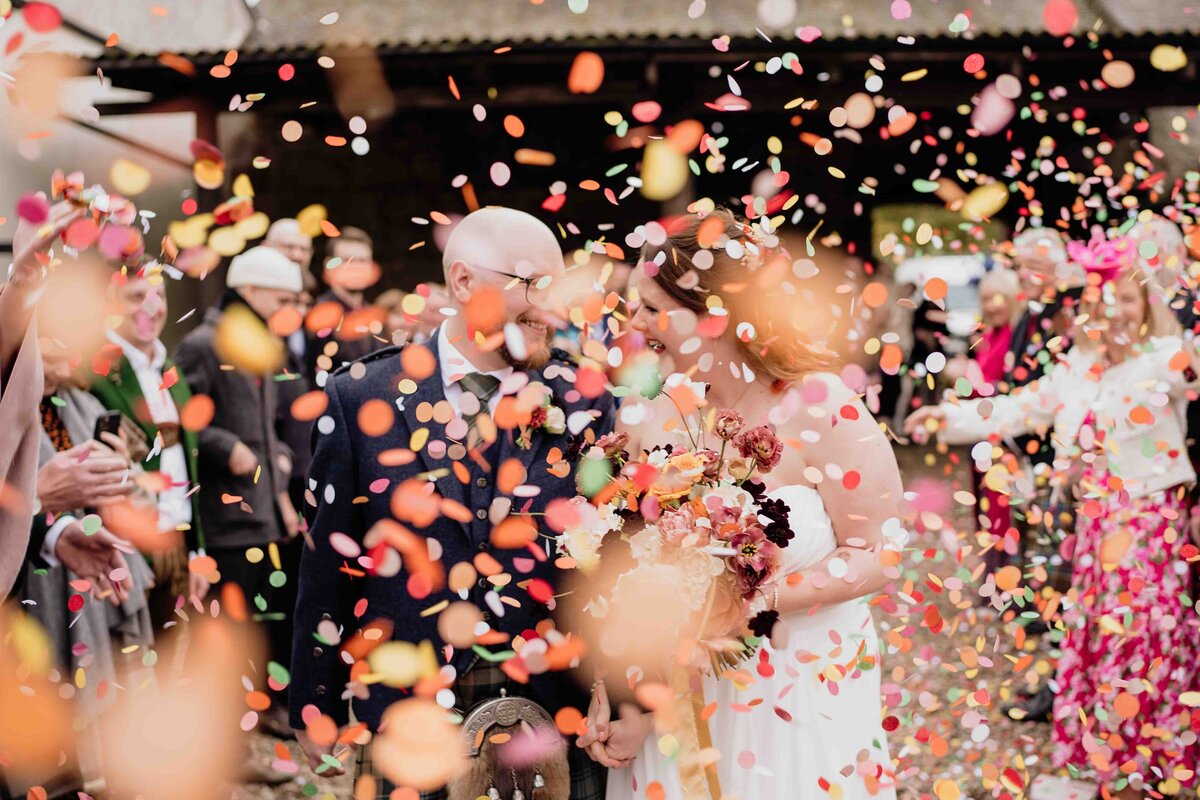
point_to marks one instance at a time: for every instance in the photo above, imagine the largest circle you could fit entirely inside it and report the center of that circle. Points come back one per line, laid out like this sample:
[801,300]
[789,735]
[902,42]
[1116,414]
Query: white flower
[646,545]
[698,568]
[676,379]
[658,459]
[731,496]
[556,420]
[583,545]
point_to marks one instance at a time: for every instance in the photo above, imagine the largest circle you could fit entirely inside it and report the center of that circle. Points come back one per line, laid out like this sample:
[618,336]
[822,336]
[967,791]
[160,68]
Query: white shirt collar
[138,359]
[455,365]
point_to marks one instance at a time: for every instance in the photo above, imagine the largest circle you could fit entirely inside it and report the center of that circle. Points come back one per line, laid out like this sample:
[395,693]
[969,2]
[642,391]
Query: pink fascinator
[1107,258]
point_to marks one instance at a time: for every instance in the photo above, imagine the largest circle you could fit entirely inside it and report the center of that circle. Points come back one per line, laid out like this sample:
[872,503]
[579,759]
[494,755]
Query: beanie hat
[265,267]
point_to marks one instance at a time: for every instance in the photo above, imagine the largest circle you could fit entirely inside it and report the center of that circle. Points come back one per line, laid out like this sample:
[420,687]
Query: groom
[501,269]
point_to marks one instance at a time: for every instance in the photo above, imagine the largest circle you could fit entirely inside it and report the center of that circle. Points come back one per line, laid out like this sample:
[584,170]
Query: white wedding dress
[817,722]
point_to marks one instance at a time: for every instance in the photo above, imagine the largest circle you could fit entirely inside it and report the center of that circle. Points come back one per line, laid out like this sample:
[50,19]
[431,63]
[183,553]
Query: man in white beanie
[243,465]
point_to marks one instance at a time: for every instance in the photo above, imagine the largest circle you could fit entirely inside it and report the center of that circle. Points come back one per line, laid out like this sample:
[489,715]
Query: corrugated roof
[416,23]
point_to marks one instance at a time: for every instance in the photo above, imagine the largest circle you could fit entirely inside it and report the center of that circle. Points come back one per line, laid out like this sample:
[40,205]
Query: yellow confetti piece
[310,218]
[915,75]
[80,678]
[129,178]
[436,608]
[793,103]
[242,186]
[254,226]
[257,474]
[417,441]
[1190,699]
[227,241]
[255,555]
[273,552]
[837,173]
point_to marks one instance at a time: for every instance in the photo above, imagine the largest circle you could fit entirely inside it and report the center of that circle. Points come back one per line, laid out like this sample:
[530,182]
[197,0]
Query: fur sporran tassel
[516,753]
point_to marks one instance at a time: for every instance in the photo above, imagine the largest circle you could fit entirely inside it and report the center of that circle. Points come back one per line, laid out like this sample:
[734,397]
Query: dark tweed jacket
[344,495]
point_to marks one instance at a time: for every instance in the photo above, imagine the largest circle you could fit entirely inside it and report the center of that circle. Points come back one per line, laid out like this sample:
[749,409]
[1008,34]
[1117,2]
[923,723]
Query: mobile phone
[108,422]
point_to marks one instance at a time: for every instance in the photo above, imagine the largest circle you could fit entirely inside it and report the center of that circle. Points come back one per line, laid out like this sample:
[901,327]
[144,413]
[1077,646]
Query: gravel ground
[948,672]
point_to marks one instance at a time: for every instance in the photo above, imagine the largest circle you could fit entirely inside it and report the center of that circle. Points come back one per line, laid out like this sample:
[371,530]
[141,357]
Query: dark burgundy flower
[537,418]
[763,623]
[778,529]
[728,424]
[761,445]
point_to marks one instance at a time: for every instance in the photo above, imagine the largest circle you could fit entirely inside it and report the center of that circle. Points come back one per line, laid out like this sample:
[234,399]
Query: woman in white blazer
[1116,403]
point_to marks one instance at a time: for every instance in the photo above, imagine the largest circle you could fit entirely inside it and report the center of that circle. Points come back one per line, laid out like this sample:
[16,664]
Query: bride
[803,717]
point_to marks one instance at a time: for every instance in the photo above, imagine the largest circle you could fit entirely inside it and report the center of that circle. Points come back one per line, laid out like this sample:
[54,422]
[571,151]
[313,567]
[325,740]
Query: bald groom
[353,576]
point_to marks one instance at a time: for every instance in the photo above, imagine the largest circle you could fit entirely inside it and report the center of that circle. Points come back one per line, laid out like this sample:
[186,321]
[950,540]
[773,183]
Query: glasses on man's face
[536,288]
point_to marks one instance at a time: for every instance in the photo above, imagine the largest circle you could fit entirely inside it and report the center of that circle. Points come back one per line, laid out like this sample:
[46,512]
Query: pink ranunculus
[761,445]
[675,525]
[613,443]
[712,462]
[756,559]
[1108,258]
[728,424]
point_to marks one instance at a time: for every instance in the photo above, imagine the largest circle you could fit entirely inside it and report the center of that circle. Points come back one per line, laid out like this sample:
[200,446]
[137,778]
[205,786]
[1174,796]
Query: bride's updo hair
[716,260]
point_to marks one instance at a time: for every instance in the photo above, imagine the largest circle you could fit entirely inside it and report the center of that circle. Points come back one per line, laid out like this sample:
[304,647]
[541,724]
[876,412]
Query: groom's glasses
[536,287]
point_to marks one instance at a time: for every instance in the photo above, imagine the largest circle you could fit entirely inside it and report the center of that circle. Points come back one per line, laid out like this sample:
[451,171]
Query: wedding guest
[241,454]
[21,385]
[1131,644]
[144,385]
[286,236]
[350,269]
[986,372]
[81,485]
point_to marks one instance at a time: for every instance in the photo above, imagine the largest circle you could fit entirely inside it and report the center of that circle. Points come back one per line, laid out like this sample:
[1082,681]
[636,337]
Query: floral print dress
[1131,647]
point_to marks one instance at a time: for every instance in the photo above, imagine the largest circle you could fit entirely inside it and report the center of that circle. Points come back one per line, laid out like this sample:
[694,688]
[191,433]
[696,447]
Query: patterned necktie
[483,387]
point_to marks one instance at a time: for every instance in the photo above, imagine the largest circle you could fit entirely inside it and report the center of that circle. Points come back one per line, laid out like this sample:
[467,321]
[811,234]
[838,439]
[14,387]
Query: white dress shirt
[174,506]
[454,366]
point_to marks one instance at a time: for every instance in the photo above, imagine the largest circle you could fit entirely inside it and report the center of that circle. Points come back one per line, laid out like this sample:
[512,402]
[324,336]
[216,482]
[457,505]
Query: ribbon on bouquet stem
[698,780]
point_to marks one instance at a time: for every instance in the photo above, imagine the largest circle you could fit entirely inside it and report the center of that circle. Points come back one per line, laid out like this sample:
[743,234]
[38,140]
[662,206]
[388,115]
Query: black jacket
[245,412]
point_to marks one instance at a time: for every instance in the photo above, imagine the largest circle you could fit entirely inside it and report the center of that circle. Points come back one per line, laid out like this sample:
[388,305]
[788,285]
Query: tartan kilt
[481,682]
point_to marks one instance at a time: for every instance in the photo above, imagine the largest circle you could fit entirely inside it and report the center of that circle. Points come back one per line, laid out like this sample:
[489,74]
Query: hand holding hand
[598,718]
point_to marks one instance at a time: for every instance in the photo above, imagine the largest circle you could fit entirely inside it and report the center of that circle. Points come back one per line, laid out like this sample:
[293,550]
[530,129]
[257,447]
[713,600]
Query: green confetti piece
[962,387]
[495,658]
[617,170]
[622,127]
[278,673]
[924,186]
[577,6]
[260,602]
[693,166]
[309,789]
[149,658]
[58,401]
[1147,249]
[328,762]
[90,524]
[593,475]
[277,578]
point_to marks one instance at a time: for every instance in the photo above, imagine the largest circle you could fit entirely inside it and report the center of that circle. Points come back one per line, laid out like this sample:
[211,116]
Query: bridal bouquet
[690,518]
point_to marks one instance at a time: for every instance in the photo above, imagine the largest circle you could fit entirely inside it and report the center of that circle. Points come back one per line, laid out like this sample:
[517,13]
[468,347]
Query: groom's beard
[535,358]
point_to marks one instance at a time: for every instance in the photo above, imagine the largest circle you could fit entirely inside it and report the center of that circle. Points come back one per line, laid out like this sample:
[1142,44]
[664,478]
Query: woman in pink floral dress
[1130,641]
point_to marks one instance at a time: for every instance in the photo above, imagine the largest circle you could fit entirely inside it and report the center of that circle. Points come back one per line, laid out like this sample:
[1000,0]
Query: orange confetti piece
[197,412]
[874,294]
[376,417]
[569,721]
[510,475]
[322,730]
[514,532]
[935,289]
[258,701]
[112,41]
[309,406]
[513,126]
[587,73]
